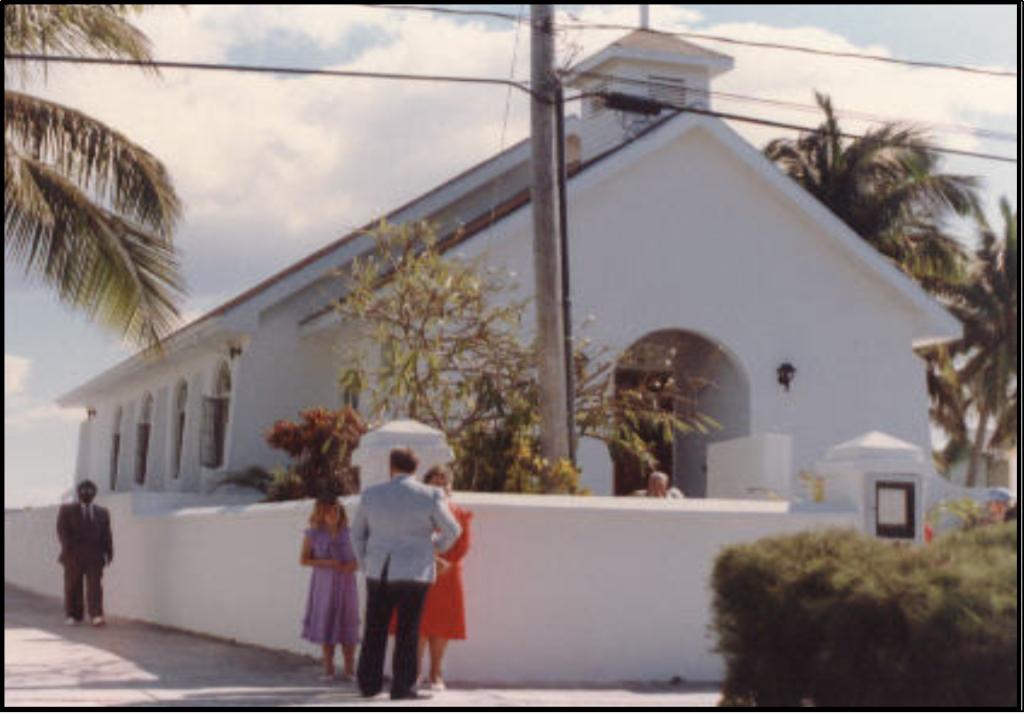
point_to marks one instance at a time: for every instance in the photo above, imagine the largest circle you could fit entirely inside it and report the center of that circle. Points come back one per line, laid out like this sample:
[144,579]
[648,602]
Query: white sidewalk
[130,663]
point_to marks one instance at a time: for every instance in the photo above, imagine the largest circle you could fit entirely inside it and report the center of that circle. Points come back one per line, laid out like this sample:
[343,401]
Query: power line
[579,24]
[522,86]
[508,104]
[806,50]
[422,78]
[217,67]
[775,124]
[980,132]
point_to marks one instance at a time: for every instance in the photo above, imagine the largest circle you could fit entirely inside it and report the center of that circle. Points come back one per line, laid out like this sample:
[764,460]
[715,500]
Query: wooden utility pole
[547,264]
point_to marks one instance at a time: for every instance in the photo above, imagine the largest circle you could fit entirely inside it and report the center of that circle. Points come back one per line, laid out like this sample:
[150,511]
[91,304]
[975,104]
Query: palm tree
[984,378]
[950,404]
[988,307]
[886,187]
[87,211]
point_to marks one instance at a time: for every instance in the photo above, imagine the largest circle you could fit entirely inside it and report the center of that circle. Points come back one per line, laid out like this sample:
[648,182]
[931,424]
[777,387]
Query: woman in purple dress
[332,610]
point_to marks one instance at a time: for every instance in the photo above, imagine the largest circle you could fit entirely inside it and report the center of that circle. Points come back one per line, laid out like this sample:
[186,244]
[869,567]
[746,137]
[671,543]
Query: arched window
[178,424]
[142,440]
[115,448]
[215,419]
[348,396]
[223,384]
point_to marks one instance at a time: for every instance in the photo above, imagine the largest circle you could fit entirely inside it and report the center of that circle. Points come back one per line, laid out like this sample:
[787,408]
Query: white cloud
[16,370]
[20,409]
[888,90]
[42,415]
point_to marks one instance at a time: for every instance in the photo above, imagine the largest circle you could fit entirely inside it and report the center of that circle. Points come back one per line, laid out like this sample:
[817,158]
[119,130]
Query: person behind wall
[997,505]
[658,487]
[1011,514]
[399,529]
[332,608]
[86,547]
[444,613]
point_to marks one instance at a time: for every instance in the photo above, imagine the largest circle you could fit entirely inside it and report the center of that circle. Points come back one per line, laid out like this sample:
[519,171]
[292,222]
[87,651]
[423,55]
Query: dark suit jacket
[83,543]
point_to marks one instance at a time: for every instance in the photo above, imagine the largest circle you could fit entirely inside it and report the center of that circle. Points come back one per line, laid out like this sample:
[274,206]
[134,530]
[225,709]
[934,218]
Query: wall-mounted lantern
[234,350]
[786,372]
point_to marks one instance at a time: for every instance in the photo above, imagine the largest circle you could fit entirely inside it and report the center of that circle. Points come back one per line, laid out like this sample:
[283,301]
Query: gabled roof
[646,46]
[942,325]
[333,246]
[661,42]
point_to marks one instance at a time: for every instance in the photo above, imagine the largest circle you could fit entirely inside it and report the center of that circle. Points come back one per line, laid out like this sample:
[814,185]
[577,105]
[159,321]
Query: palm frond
[118,173]
[94,259]
[86,30]
[885,185]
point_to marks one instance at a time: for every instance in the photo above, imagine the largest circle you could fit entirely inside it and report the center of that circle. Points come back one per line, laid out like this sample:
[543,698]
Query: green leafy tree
[887,187]
[87,211]
[440,339]
[976,376]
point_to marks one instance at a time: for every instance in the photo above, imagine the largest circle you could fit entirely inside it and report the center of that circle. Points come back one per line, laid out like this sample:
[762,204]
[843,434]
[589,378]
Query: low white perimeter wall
[557,588]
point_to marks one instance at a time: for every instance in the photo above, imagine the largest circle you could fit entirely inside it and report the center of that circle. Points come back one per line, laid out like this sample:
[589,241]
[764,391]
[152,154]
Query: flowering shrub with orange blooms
[321,445]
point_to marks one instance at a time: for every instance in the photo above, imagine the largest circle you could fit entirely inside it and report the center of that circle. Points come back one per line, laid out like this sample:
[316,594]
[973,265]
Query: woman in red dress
[444,615]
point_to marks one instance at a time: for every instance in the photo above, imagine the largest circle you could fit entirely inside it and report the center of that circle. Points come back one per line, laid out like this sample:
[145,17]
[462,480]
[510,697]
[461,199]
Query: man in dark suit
[86,547]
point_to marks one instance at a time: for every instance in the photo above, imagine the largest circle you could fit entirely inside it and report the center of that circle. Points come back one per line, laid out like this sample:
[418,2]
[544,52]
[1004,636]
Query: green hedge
[835,618]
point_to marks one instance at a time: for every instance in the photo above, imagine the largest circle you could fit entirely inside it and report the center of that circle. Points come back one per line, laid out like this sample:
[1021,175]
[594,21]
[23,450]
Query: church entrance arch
[712,382]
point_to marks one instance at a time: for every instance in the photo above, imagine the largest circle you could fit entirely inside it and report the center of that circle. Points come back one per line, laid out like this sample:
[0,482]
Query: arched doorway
[714,385]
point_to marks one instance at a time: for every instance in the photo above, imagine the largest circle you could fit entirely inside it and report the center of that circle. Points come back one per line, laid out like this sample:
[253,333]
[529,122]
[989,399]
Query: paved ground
[130,663]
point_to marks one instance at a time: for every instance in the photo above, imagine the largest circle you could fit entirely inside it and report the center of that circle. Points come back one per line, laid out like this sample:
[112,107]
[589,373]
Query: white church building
[682,235]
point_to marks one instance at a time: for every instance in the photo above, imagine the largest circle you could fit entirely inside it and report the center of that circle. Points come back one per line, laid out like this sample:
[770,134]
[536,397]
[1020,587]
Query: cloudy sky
[271,168]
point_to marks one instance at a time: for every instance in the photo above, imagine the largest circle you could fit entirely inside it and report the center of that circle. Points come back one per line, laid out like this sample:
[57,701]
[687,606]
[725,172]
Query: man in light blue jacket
[397,532]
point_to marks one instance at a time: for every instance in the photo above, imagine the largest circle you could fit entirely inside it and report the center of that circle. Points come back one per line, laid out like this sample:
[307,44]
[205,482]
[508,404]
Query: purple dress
[332,610]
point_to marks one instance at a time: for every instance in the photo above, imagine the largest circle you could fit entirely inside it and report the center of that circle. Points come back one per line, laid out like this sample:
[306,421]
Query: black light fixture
[786,372]
[234,350]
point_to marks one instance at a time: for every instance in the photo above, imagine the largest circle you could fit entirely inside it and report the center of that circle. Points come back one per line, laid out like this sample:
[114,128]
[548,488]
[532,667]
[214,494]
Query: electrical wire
[209,66]
[579,24]
[784,125]
[980,132]
[508,105]
[426,78]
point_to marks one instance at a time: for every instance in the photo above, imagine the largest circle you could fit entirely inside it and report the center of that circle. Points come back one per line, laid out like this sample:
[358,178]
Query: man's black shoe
[411,696]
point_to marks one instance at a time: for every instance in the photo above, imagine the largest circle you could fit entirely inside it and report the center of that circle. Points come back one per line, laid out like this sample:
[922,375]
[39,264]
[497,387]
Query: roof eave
[194,336]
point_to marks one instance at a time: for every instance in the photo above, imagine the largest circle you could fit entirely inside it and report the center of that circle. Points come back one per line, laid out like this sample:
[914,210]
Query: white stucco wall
[557,588]
[279,375]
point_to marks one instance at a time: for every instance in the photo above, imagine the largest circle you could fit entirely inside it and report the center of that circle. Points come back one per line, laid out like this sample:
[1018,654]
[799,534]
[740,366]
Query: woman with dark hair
[332,610]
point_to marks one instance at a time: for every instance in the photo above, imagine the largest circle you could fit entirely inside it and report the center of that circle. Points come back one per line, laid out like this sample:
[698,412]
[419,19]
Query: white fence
[558,589]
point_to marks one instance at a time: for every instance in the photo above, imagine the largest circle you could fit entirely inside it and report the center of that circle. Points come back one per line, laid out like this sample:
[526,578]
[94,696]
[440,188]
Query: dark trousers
[382,598]
[75,575]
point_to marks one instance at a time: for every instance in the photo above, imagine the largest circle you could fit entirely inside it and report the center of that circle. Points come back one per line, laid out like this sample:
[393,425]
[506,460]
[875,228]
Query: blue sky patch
[293,48]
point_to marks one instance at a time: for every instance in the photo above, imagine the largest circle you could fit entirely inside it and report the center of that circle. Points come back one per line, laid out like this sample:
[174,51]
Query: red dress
[444,613]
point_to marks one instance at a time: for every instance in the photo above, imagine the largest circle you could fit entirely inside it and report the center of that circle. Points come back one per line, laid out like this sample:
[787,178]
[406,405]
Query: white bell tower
[645,64]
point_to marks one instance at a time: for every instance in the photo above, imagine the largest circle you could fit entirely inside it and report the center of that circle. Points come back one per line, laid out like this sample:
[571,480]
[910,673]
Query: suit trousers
[75,575]
[383,597]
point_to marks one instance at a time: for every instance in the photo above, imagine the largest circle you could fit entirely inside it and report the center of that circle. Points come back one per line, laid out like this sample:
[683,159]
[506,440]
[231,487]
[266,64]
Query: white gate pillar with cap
[372,455]
[884,478]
